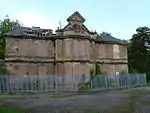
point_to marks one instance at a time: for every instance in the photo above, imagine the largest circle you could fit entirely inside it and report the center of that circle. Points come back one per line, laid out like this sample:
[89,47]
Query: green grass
[9,110]
[84,89]
[61,96]
[136,91]
[4,109]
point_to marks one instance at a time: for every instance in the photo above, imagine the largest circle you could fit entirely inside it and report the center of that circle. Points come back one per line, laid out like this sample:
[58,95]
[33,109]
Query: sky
[118,17]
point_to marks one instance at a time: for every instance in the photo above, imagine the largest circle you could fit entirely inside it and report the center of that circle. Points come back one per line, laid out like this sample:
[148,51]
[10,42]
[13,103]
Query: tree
[6,25]
[138,51]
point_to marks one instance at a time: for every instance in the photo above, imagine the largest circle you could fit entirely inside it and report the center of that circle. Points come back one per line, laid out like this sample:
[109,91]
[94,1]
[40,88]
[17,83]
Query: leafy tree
[139,52]
[6,25]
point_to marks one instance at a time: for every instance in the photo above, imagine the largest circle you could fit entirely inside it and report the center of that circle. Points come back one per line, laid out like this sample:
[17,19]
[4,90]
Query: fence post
[138,80]
[145,79]
[105,81]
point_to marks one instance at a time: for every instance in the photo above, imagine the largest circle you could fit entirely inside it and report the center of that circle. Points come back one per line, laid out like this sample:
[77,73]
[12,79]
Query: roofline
[109,42]
[65,37]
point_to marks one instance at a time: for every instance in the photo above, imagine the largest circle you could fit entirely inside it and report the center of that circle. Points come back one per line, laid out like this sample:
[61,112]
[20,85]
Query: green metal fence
[118,81]
[38,83]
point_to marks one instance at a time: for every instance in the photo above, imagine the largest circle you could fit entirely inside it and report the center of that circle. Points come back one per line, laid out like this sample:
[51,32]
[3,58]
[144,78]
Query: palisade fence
[103,82]
[39,83]
[66,83]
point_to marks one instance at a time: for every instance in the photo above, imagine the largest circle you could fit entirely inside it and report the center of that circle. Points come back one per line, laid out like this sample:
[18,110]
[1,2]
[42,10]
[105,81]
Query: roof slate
[107,38]
[19,31]
[110,39]
[24,31]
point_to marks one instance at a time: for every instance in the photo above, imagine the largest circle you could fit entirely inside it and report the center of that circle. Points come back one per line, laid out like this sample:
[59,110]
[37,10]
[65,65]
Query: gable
[76,16]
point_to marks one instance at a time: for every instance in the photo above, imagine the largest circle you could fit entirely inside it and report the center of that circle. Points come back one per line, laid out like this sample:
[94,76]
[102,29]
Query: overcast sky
[118,17]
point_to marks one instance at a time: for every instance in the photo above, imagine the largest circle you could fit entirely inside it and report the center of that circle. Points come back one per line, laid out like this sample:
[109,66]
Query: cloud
[31,18]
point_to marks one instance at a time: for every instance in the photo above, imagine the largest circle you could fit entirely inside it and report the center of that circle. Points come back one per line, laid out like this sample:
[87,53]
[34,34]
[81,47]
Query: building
[73,50]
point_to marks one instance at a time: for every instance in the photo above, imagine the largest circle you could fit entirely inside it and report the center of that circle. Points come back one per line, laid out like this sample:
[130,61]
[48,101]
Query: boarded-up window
[116,51]
[82,49]
[12,47]
[75,49]
[32,51]
[42,48]
[60,69]
[50,69]
[59,49]
[32,69]
[123,51]
[67,48]
[50,49]
[42,69]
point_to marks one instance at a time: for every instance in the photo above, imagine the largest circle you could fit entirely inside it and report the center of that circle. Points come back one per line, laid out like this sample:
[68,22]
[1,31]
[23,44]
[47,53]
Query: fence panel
[118,81]
[38,83]
[66,83]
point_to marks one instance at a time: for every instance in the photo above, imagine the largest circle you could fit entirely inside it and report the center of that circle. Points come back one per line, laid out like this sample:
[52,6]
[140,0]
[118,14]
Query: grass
[9,110]
[66,96]
[84,89]
[136,91]
[5,109]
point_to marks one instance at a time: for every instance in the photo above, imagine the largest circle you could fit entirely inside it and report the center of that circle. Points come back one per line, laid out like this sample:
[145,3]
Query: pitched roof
[19,31]
[27,31]
[74,14]
[110,39]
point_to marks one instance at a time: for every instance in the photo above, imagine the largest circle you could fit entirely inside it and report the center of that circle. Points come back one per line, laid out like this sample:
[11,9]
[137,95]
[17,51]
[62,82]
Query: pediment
[78,28]
[75,25]
[76,16]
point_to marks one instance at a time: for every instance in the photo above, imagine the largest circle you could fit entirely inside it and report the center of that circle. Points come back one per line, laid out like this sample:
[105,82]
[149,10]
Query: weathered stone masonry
[73,50]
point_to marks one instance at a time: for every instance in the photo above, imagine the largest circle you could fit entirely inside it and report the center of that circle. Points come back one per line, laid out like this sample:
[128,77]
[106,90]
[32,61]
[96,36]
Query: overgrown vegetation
[139,52]
[97,71]
[86,87]
[2,67]
[6,25]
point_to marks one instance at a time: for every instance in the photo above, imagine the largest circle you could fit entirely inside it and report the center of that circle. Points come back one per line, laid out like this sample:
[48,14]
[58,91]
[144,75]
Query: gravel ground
[77,104]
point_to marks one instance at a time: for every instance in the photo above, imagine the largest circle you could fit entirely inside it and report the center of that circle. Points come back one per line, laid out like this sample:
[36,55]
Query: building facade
[73,50]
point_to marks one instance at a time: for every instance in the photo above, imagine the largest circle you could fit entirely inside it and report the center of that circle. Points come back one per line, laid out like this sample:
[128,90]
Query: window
[116,51]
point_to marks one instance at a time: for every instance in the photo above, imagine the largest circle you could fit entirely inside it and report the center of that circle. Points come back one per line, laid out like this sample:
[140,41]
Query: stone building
[73,50]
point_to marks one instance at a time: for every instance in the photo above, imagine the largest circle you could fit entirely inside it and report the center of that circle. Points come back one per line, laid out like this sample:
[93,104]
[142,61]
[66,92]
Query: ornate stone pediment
[75,25]
[77,28]
[76,16]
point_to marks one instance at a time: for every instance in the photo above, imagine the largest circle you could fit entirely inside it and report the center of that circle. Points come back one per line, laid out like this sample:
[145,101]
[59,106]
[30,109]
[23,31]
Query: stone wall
[113,68]
[98,50]
[29,47]
[73,69]
[72,49]
[20,68]
[112,56]
[24,52]
[74,53]
[123,52]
